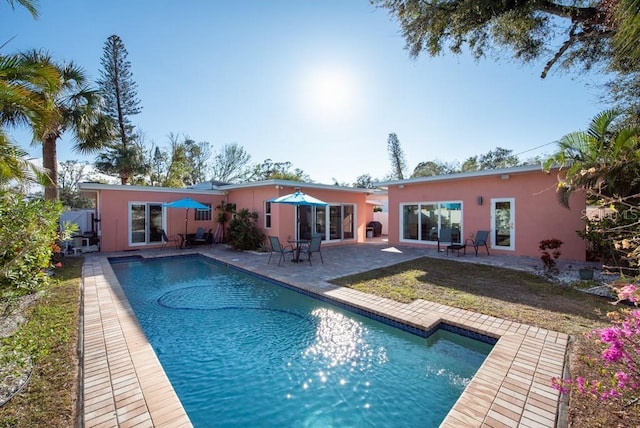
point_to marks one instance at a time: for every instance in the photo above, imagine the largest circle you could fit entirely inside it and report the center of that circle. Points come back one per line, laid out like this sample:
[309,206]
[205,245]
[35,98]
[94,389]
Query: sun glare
[330,94]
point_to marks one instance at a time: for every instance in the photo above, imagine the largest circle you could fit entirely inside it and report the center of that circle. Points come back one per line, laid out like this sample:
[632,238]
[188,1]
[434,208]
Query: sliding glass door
[145,222]
[339,218]
[423,221]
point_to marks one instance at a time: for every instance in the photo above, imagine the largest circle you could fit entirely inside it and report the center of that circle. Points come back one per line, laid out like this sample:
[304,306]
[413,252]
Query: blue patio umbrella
[186,203]
[298,198]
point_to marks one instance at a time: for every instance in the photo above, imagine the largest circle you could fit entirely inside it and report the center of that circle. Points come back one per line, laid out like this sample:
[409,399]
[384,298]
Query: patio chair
[448,236]
[482,236]
[202,238]
[313,247]
[276,247]
[166,239]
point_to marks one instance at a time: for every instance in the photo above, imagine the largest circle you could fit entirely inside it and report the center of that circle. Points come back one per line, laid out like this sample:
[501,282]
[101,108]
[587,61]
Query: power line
[534,148]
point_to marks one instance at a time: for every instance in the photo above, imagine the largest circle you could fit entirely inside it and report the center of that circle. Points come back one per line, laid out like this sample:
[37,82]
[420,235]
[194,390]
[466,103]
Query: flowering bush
[550,252]
[619,362]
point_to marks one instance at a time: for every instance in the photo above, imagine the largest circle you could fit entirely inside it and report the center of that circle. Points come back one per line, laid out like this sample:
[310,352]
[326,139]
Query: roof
[218,188]
[465,175]
[88,186]
[293,185]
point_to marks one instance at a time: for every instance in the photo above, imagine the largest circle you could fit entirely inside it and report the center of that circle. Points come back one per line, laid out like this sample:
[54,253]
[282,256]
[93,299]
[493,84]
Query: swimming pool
[240,350]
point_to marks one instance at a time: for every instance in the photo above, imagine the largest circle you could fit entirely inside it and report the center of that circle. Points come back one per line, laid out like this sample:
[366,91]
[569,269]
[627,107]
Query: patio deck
[124,385]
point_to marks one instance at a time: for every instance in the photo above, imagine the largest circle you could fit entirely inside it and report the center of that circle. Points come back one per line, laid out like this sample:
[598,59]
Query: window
[203,215]
[423,221]
[267,215]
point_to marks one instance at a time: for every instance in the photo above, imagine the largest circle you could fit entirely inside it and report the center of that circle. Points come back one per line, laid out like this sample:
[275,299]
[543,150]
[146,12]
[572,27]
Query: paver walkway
[125,386]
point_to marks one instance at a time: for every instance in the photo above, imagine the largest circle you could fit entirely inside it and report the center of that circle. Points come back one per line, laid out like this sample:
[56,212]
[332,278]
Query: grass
[50,336]
[512,295]
[504,293]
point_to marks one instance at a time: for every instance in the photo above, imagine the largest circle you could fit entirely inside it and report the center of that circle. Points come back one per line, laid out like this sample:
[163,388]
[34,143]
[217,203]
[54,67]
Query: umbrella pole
[186,223]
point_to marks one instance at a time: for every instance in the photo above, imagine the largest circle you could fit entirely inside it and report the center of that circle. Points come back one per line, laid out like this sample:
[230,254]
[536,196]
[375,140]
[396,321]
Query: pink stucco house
[131,216]
[518,206]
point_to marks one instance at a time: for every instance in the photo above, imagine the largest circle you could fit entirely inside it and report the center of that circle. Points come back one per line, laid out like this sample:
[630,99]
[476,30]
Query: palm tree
[14,166]
[603,160]
[70,105]
[30,5]
[20,104]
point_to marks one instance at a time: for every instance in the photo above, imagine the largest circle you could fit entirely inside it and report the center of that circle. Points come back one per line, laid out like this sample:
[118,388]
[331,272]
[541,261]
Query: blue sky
[318,83]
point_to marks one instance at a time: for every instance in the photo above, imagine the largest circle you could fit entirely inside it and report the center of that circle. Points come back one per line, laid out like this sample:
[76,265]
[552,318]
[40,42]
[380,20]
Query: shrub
[243,232]
[550,252]
[27,238]
[618,364]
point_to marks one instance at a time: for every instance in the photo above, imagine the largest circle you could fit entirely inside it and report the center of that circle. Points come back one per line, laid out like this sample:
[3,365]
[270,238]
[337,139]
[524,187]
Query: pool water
[243,351]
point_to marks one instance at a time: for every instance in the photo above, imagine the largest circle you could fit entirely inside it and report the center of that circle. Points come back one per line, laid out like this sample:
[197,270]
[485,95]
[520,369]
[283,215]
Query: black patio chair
[313,247]
[481,240]
[166,239]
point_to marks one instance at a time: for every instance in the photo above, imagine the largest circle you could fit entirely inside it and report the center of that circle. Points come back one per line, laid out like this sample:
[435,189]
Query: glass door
[145,223]
[304,221]
[503,224]
[347,221]
[335,222]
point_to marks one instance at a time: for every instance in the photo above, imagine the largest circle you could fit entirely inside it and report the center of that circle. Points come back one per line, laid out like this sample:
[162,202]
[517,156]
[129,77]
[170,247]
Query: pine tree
[119,91]
[396,155]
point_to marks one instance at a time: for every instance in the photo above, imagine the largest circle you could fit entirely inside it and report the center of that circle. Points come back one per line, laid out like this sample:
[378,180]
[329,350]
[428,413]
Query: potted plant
[586,273]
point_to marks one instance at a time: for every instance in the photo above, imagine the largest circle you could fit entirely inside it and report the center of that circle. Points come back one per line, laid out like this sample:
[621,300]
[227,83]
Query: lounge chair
[313,247]
[480,240]
[166,239]
[276,247]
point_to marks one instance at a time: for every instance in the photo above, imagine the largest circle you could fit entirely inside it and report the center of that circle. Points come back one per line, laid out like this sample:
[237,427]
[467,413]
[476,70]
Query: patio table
[299,243]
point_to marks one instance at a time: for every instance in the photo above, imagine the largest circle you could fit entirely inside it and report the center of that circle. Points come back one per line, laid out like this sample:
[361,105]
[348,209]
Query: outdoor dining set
[296,248]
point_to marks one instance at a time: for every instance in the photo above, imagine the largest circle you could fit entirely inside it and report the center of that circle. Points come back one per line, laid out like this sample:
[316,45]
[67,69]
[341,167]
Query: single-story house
[131,217]
[518,206]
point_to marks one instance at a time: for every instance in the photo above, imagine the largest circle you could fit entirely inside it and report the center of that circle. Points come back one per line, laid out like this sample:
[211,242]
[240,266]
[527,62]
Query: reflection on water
[340,340]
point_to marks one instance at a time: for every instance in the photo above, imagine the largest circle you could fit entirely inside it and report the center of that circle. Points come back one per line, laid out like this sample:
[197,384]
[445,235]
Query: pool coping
[125,385]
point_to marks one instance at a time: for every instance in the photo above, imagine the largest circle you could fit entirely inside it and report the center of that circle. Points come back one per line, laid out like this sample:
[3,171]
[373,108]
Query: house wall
[283,221]
[112,206]
[538,215]
[113,209]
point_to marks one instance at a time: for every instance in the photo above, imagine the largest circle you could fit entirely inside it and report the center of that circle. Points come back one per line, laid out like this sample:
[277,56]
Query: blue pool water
[242,351]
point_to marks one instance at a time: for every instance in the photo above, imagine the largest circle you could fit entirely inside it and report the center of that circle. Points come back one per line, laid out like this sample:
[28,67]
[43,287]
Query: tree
[126,162]
[71,174]
[231,164]
[433,168]
[119,92]
[158,161]
[69,105]
[365,182]
[470,164]
[30,5]
[604,162]
[396,155]
[20,105]
[594,32]
[198,155]
[497,159]
[269,170]
[178,167]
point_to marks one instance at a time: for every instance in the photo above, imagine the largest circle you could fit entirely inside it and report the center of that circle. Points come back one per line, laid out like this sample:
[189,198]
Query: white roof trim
[463,175]
[100,186]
